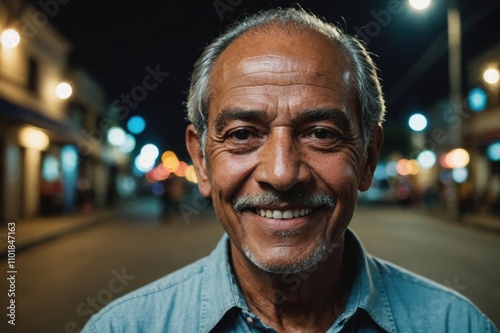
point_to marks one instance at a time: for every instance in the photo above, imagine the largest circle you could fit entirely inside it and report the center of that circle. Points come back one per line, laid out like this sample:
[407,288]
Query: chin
[284,265]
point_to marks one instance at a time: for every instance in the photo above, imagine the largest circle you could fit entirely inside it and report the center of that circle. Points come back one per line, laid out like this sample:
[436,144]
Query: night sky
[116,41]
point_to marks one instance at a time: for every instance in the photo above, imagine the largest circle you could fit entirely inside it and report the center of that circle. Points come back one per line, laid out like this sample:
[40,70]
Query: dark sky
[116,41]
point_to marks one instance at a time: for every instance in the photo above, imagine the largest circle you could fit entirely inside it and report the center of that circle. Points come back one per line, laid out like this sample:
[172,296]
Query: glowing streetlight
[491,76]
[31,137]
[64,90]
[454,28]
[10,38]
[417,122]
[420,4]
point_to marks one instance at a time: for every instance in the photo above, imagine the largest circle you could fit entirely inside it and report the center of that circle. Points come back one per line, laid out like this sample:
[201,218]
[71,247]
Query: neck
[313,298]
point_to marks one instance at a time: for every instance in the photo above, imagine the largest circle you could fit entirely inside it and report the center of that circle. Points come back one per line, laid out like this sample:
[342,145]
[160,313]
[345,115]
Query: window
[33,74]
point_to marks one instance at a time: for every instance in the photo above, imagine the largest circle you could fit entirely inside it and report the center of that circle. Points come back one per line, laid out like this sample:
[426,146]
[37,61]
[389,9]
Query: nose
[281,162]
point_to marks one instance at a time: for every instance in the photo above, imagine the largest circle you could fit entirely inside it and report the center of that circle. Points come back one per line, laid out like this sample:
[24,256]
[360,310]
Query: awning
[57,129]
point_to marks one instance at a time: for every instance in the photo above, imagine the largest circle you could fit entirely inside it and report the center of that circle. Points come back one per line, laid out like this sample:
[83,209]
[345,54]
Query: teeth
[283,215]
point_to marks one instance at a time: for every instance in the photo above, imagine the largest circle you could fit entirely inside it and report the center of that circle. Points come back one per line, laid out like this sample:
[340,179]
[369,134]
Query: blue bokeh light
[136,124]
[493,151]
[478,100]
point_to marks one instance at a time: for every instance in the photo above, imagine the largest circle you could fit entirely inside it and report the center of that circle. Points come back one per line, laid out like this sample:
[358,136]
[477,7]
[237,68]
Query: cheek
[228,173]
[340,176]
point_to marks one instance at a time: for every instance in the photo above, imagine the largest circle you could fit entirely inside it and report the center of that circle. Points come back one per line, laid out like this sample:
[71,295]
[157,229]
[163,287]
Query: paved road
[462,257]
[61,283]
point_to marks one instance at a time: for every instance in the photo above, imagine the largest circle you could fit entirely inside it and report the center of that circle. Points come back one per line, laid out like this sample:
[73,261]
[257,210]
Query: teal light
[493,151]
[478,100]
[136,124]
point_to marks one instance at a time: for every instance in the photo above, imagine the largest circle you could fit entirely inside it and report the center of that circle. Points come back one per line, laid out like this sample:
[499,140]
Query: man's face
[283,124]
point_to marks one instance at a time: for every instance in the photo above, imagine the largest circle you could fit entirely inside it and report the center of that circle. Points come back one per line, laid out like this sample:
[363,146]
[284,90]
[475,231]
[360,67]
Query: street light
[420,4]
[491,76]
[455,64]
[64,90]
[417,122]
[10,38]
[454,60]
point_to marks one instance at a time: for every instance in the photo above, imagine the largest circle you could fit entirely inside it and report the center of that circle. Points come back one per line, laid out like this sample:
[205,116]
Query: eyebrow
[227,115]
[334,116]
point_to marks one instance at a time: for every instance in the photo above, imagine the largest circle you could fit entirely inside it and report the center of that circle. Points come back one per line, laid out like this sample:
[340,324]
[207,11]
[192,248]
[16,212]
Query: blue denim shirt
[205,297]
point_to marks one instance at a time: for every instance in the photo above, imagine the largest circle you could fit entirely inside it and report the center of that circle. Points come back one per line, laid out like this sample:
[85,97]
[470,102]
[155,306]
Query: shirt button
[249,320]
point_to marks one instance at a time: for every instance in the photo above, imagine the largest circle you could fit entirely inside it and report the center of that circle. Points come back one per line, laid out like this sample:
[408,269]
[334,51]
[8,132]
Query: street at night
[122,126]
[61,282]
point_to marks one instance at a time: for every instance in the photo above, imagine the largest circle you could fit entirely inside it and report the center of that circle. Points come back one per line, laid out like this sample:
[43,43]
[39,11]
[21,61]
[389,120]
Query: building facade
[52,147]
[482,129]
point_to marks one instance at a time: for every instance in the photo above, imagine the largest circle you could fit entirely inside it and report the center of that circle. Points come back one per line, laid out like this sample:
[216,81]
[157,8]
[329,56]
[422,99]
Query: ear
[199,162]
[372,156]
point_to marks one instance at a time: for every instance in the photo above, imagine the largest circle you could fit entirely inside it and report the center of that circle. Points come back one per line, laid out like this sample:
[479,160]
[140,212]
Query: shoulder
[420,302]
[151,307]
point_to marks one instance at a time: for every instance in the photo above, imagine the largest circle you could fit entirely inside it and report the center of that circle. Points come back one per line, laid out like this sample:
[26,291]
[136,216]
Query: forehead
[287,58]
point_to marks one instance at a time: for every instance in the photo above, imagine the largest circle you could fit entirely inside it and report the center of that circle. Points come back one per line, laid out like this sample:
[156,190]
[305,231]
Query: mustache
[308,199]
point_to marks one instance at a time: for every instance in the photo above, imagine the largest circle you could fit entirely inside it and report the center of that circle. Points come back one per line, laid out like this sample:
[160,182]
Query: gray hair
[367,85]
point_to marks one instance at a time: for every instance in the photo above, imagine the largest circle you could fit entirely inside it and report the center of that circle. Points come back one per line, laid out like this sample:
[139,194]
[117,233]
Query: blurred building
[482,130]
[54,156]
[465,142]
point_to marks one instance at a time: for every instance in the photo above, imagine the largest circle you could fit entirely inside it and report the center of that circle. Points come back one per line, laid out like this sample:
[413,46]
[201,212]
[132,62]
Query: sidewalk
[484,221]
[35,231]
[477,220]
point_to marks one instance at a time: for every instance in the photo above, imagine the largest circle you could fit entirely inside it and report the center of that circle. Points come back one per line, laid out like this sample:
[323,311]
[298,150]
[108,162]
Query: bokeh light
[181,169]
[478,99]
[417,122]
[116,136]
[144,163]
[136,124]
[10,38]
[420,4]
[493,151]
[31,137]
[170,160]
[50,169]
[64,90]
[491,76]
[426,159]
[457,158]
[407,167]
[129,143]
[150,150]
[459,175]
[191,174]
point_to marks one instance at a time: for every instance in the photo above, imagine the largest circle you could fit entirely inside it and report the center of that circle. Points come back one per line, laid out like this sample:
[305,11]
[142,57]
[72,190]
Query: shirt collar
[220,288]
[221,293]
[368,291]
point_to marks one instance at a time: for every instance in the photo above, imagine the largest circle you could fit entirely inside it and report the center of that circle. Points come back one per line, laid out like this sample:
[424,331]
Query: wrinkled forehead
[278,49]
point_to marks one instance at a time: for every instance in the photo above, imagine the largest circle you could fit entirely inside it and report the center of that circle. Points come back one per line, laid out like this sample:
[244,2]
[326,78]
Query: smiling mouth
[283,214]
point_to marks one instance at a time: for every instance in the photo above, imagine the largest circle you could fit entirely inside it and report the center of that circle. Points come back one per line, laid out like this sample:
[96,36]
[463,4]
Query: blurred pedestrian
[465,199]
[172,196]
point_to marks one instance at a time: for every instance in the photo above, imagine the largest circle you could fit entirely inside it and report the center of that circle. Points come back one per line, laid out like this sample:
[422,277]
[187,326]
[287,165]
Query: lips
[283,214]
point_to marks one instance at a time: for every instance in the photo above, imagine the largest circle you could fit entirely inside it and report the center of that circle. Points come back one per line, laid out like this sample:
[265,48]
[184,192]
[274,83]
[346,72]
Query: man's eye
[322,134]
[241,134]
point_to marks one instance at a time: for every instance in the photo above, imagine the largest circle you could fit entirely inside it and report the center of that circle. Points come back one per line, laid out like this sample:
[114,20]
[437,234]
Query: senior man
[286,113]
